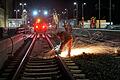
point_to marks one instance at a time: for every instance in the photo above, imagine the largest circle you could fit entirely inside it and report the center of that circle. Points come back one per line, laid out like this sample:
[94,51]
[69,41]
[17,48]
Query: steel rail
[63,65]
[15,76]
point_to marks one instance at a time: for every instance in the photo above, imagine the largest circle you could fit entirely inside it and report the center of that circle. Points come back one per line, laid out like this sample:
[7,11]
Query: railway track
[40,67]
[94,37]
[11,64]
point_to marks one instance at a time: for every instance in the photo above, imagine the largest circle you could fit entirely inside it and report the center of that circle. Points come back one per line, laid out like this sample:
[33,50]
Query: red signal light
[40,25]
[36,26]
[43,26]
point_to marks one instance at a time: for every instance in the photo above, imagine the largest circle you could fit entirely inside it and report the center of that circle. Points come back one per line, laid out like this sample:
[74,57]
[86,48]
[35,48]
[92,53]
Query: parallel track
[11,64]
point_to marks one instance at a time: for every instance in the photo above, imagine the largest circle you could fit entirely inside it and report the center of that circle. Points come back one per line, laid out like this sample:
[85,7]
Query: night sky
[91,9]
[49,4]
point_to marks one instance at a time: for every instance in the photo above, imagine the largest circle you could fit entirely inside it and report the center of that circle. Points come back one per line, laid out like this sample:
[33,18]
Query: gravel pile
[99,67]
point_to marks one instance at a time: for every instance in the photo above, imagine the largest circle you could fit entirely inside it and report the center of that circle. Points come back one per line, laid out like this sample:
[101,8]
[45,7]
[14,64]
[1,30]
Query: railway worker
[65,26]
[93,22]
[66,41]
[82,22]
[69,28]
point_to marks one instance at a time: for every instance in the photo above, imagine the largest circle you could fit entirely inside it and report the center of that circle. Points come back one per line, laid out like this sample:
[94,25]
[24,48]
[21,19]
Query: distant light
[35,13]
[18,10]
[43,26]
[75,3]
[45,12]
[28,21]
[84,3]
[25,4]
[13,23]
[38,20]
[20,3]
[37,27]
[65,9]
[39,10]
[50,26]
[24,10]
[63,12]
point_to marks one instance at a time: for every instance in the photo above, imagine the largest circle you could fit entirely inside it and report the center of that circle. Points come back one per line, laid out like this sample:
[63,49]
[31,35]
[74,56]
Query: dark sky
[91,9]
[47,3]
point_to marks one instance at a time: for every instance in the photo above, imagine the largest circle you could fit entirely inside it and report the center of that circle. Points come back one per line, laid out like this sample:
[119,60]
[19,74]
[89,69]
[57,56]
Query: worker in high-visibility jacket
[66,41]
[93,22]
